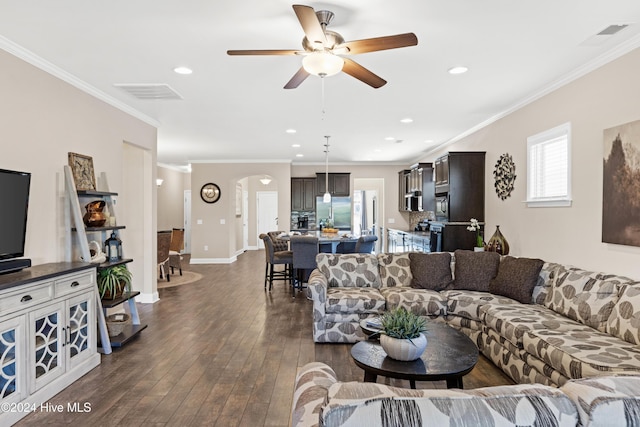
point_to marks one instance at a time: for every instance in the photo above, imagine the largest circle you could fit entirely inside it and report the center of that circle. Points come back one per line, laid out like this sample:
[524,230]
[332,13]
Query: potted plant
[402,335]
[113,281]
[475,226]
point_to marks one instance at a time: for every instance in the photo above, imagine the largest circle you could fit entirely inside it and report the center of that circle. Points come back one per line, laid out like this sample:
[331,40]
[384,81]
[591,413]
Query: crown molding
[607,57]
[46,66]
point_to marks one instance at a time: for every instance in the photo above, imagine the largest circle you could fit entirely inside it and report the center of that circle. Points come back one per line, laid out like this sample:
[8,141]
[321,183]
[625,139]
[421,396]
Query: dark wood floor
[218,352]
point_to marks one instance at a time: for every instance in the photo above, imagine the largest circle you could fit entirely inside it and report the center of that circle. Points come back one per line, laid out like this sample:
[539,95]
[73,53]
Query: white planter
[478,249]
[404,350]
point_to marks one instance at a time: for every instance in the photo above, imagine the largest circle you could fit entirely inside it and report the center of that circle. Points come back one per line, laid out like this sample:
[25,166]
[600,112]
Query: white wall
[43,118]
[602,99]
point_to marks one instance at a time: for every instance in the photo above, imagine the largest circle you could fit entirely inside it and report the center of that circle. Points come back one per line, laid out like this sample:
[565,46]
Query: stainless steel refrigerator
[338,210]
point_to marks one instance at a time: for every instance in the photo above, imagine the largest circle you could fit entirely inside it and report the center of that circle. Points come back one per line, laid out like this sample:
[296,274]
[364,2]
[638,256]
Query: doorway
[267,209]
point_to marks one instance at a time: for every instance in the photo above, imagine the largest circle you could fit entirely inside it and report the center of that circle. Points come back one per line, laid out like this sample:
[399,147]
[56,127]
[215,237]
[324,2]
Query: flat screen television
[14,206]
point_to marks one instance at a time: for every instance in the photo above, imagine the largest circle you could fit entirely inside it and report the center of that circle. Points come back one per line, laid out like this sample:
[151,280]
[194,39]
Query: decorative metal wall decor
[505,176]
[621,185]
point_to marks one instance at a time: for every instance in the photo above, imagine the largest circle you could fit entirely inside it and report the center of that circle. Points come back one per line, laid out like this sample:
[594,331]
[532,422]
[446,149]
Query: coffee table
[449,356]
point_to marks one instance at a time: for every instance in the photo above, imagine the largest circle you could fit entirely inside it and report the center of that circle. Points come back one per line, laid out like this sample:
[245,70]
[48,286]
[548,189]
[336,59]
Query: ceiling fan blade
[380,43]
[359,72]
[264,52]
[297,78]
[310,24]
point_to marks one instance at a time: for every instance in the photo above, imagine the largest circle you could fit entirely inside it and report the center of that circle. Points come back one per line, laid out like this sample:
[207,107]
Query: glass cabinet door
[12,373]
[46,345]
[80,336]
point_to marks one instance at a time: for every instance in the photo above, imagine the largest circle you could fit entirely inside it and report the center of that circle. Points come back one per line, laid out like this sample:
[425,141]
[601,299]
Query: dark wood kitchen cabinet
[460,181]
[303,194]
[339,184]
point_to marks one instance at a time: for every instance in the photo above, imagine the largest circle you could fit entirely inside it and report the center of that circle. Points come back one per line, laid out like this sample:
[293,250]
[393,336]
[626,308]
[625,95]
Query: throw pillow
[474,270]
[516,278]
[431,270]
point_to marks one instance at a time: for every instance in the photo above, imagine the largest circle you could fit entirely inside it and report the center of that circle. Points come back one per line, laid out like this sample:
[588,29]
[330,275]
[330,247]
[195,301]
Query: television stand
[15,264]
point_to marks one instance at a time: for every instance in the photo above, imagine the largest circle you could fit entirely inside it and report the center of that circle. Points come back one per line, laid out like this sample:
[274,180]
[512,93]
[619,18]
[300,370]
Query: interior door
[267,208]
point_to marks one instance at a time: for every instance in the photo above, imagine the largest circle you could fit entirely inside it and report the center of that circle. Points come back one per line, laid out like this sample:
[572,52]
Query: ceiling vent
[604,35]
[149,91]
[612,29]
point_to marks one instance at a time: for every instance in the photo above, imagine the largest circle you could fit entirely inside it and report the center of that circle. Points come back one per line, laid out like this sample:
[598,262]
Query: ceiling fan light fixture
[323,64]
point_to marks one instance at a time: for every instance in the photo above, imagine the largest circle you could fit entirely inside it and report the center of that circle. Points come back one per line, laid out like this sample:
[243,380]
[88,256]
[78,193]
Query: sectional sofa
[321,400]
[540,322]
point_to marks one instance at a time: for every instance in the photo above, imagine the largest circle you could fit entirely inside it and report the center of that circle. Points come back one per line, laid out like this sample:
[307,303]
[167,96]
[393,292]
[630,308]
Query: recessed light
[183,70]
[299,155]
[458,70]
[428,141]
[295,145]
[399,141]
[290,131]
[406,120]
[389,138]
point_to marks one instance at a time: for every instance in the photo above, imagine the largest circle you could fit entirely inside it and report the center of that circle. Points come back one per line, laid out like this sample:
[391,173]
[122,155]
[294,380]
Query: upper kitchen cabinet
[339,184]
[303,194]
[460,185]
[416,191]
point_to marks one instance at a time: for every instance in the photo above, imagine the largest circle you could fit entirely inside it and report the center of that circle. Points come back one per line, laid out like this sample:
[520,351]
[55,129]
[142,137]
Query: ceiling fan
[323,49]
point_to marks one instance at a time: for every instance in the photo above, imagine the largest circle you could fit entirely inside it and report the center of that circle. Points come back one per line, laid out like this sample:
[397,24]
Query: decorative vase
[498,243]
[403,349]
[94,216]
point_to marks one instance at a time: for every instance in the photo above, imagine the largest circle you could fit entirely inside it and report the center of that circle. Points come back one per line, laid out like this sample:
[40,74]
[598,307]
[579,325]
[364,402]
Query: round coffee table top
[449,354]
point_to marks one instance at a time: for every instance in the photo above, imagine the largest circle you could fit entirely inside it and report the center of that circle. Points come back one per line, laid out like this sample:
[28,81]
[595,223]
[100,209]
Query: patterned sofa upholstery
[321,400]
[577,323]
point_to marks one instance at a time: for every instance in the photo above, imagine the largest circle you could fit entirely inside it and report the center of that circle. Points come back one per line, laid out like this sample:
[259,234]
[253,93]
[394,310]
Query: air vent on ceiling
[149,91]
[604,35]
[612,29]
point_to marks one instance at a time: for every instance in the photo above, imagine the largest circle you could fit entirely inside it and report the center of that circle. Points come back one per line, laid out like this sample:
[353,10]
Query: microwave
[442,208]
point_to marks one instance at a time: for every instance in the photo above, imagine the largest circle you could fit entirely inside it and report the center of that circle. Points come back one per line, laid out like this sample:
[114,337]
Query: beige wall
[171,197]
[220,226]
[43,118]
[602,99]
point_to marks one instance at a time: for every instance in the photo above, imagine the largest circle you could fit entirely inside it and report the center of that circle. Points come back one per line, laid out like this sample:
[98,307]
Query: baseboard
[148,298]
[213,260]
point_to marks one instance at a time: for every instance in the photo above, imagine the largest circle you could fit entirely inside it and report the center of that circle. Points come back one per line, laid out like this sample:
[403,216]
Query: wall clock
[210,192]
[505,176]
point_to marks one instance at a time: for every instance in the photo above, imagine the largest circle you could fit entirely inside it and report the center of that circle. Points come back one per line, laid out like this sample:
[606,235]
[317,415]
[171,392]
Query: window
[549,167]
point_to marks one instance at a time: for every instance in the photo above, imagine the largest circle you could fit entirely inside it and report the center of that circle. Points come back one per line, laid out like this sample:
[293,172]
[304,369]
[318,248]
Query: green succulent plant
[111,280]
[402,324]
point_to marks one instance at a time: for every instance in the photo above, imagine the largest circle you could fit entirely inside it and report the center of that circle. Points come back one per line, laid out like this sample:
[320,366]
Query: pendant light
[327,196]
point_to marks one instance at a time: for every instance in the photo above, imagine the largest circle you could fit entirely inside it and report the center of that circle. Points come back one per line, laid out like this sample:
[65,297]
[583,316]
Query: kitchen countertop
[412,232]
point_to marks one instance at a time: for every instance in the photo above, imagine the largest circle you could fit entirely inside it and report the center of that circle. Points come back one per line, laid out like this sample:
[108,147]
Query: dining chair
[176,246]
[273,258]
[278,244]
[305,249]
[164,241]
[366,244]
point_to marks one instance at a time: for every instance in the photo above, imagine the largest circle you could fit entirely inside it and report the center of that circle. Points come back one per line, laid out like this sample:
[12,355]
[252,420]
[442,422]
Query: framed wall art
[621,185]
[82,169]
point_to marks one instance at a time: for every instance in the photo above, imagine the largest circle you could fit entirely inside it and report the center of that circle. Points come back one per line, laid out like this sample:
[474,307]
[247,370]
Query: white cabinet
[12,360]
[47,334]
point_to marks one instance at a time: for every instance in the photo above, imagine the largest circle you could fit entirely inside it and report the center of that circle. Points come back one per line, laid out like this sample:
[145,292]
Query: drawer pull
[26,298]
[75,283]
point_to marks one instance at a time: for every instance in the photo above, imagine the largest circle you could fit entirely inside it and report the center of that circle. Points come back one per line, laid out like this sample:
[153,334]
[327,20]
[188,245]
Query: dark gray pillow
[516,278]
[431,270]
[474,270]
